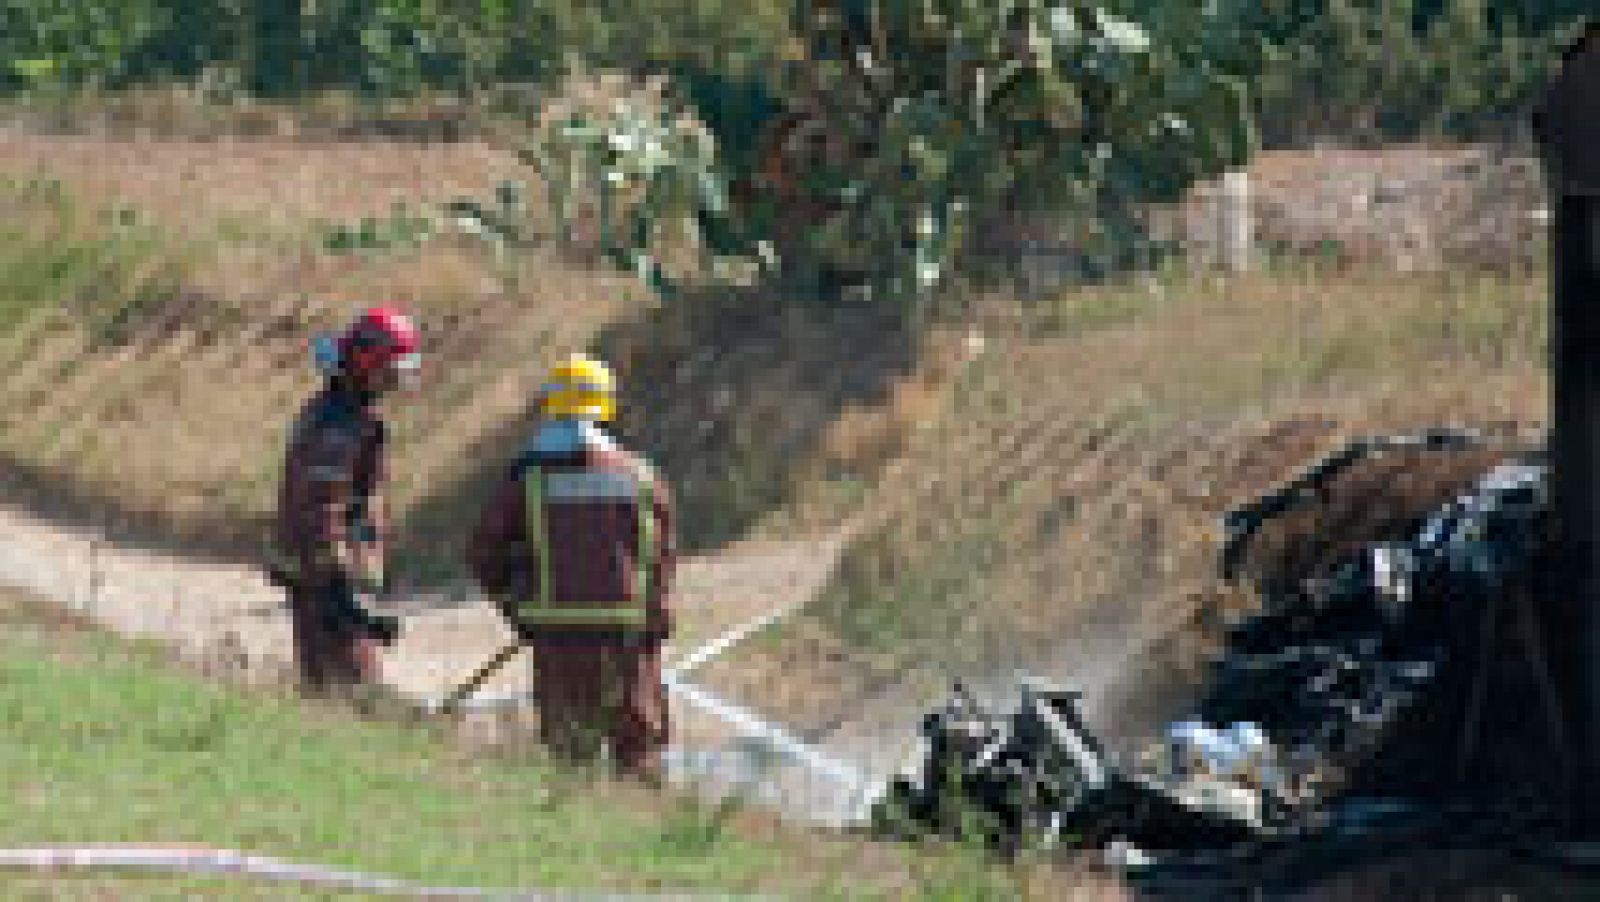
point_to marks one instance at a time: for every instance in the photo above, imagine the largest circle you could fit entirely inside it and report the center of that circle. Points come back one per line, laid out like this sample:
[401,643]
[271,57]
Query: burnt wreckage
[1364,680]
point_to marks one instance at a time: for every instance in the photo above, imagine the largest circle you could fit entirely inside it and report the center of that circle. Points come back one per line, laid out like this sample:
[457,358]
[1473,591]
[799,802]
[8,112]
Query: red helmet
[382,336]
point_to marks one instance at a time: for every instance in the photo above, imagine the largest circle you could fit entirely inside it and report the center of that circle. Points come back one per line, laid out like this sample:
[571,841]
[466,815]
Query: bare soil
[226,616]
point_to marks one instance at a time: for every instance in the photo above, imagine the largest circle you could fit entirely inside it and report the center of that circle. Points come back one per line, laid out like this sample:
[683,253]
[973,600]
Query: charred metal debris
[1347,705]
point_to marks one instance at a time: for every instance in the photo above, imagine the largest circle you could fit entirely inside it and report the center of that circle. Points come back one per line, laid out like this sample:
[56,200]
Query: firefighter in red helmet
[331,529]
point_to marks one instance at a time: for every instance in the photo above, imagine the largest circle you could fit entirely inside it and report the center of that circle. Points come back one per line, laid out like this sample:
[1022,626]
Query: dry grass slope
[1058,482]
[154,357]
[1063,512]
[172,420]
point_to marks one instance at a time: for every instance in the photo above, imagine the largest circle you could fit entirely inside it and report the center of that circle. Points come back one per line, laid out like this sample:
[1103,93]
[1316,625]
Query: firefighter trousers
[333,645]
[593,695]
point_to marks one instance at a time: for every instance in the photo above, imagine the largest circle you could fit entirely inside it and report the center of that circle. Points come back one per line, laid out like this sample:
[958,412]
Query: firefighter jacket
[579,546]
[331,519]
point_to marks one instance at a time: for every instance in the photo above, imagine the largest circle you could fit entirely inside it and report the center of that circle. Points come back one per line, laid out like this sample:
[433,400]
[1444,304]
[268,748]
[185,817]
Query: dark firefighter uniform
[330,536]
[577,549]
[332,528]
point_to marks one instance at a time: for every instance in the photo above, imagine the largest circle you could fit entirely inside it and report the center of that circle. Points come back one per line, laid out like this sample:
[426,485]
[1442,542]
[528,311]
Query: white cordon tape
[224,861]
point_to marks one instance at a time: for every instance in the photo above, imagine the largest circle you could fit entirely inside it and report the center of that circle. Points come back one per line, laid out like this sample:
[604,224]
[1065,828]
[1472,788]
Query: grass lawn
[105,743]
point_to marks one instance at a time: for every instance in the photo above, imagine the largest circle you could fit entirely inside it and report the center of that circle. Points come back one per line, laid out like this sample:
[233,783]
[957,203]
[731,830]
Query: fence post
[1235,224]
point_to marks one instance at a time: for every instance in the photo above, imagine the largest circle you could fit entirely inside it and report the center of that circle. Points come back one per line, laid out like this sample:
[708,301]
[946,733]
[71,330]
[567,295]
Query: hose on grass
[194,860]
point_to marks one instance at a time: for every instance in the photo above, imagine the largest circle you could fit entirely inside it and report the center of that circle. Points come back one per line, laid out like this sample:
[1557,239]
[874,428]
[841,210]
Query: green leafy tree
[45,42]
[274,52]
[188,38]
[929,118]
[1377,70]
[868,144]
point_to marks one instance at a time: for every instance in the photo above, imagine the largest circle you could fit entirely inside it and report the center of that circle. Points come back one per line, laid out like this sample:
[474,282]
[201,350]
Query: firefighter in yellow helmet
[576,547]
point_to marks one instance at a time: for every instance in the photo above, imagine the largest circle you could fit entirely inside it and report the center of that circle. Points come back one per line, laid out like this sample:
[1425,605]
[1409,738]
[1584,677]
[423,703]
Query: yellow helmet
[579,387]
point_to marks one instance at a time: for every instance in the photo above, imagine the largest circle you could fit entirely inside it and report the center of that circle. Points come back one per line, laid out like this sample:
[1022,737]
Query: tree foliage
[922,120]
[886,133]
[1447,65]
[866,141]
[1385,69]
[75,41]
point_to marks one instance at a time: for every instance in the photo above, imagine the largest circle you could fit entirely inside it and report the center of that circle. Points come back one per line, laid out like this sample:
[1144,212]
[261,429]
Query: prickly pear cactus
[914,123]
[632,163]
[872,146]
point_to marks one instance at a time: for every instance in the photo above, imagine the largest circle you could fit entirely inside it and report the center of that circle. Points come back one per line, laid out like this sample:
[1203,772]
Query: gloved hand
[385,628]
[367,571]
[280,569]
[368,618]
[279,577]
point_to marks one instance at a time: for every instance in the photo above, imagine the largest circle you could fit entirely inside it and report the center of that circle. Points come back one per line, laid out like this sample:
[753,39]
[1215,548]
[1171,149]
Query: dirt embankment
[154,361]
[1062,513]
[1408,209]
[1037,485]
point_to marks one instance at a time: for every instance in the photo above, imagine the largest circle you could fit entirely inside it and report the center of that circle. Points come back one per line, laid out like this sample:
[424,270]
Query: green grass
[106,744]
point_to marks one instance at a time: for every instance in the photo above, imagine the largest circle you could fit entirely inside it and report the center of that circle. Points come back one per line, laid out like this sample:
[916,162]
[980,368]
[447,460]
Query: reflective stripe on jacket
[580,546]
[599,526]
